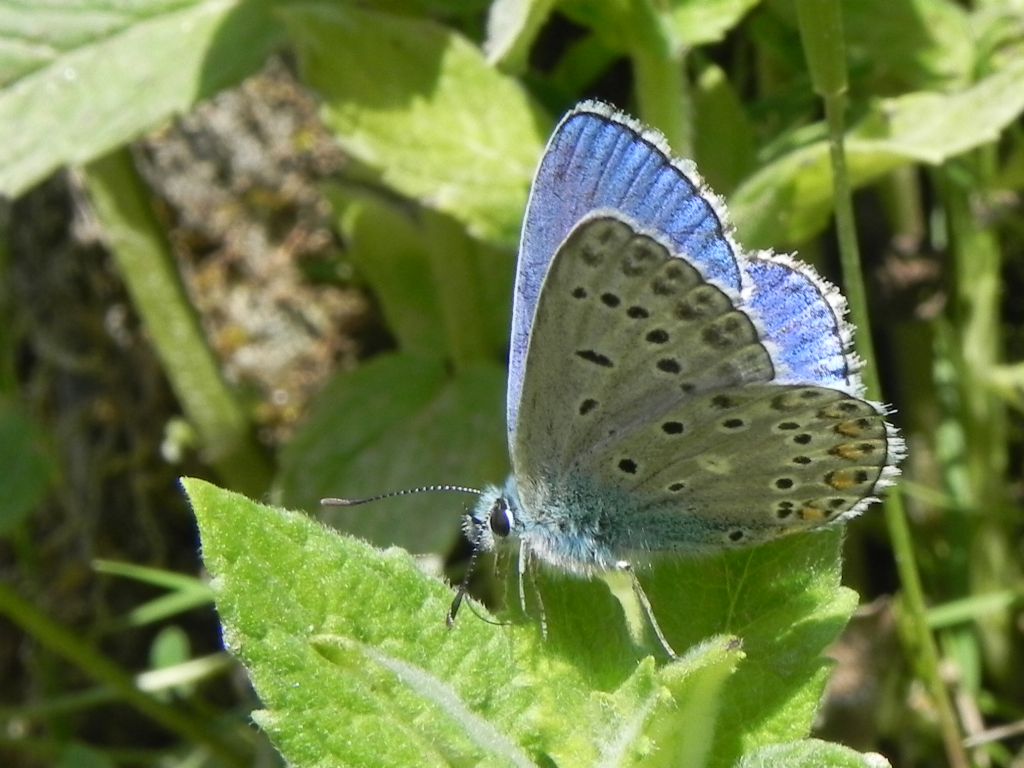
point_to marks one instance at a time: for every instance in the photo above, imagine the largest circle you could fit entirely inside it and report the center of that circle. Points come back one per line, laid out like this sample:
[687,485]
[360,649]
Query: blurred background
[272,245]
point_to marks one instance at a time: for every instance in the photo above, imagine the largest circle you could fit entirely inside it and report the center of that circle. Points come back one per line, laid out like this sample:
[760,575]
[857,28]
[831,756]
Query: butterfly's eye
[501,518]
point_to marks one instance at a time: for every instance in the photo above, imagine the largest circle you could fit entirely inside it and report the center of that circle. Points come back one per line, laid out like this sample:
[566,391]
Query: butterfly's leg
[524,556]
[638,590]
[524,568]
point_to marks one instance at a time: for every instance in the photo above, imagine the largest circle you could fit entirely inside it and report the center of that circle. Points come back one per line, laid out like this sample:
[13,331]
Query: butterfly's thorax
[574,524]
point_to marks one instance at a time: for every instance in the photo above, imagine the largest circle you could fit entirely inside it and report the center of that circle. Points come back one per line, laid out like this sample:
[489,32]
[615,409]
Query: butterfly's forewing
[622,333]
[647,384]
[599,159]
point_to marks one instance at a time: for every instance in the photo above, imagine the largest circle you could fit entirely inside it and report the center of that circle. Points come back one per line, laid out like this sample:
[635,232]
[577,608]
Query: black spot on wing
[595,357]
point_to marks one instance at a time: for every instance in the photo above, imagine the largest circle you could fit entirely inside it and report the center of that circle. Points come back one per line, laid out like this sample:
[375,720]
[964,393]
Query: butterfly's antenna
[333,502]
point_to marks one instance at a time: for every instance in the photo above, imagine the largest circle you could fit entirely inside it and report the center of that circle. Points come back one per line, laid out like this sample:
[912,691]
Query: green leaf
[386,244]
[396,422]
[347,648]
[698,22]
[441,127]
[922,44]
[36,34]
[28,466]
[789,200]
[811,754]
[689,22]
[442,293]
[785,601]
[933,127]
[512,26]
[724,139]
[85,76]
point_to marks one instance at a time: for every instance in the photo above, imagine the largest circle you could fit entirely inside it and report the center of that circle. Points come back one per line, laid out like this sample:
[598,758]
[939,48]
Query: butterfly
[667,390]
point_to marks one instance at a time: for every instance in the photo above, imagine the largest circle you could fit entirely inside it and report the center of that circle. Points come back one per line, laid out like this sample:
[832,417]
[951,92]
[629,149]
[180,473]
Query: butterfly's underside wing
[652,416]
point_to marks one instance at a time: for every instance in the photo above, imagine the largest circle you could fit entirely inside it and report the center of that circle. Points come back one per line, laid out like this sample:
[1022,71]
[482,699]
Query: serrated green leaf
[83,77]
[396,422]
[346,647]
[687,719]
[442,127]
[785,601]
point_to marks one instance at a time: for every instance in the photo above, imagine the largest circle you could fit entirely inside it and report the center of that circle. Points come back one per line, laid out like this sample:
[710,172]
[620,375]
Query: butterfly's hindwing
[753,463]
[801,318]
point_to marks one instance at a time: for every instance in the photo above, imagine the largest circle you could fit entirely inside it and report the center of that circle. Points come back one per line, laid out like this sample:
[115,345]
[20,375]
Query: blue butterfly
[668,391]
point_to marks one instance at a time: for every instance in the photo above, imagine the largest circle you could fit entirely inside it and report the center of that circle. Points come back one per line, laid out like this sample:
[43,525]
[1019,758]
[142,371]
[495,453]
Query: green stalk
[97,666]
[457,283]
[145,263]
[977,340]
[662,90]
[821,32]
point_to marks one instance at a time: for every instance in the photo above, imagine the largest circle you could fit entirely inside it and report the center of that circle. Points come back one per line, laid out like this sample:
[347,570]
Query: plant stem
[822,35]
[146,265]
[976,344]
[662,89]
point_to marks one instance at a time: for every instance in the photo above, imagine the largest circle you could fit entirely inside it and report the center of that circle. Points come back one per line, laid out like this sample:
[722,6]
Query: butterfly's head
[493,517]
